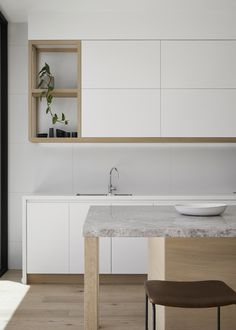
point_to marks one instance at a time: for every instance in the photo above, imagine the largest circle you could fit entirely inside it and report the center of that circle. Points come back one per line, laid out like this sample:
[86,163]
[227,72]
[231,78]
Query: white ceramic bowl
[203,209]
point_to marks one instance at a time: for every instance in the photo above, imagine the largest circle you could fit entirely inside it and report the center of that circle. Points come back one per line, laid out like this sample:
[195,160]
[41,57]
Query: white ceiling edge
[164,24]
[18,11]
[124,19]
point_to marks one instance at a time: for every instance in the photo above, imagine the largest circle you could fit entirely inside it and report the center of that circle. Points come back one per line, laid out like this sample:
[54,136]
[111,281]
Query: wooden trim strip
[136,140]
[57,50]
[79,278]
[57,92]
[54,42]
[159,139]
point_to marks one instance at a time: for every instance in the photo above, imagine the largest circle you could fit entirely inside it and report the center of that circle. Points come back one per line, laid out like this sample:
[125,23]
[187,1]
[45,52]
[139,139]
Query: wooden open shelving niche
[55,46]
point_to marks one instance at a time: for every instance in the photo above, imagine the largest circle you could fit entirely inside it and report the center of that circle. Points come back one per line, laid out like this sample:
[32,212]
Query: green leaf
[47,68]
[41,72]
[44,71]
[54,119]
[62,117]
[40,83]
[49,98]
[47,93]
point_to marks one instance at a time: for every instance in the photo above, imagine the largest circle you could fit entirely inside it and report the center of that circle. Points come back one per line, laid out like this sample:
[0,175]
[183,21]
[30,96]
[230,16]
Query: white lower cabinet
[78,213]
[130,254]
[47,238]
[55,243]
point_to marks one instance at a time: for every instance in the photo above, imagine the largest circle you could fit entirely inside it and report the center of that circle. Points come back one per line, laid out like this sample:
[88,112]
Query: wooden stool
[202,294]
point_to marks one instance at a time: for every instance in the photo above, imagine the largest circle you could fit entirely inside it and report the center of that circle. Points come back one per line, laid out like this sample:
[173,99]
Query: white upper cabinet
[121,64]
[198,64]
[198,113]
[121,113]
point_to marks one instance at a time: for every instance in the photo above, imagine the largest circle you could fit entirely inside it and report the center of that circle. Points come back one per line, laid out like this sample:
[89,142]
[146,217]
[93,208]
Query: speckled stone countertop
[156,221]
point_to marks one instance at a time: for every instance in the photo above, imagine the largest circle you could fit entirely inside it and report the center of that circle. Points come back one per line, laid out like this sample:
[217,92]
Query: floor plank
[60,306]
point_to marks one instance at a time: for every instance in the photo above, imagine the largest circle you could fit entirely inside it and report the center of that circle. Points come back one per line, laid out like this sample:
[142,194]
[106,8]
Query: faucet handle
[111,189]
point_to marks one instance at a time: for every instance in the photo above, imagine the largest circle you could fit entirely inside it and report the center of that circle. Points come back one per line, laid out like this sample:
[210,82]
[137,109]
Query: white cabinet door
[121,113]
[121,88]
[47,238]
[198,113]
[130,254]
[78,213]
[121,64]
[198,64]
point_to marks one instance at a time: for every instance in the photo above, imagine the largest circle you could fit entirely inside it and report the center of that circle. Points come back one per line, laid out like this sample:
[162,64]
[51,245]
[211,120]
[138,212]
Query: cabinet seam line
[160,95]
[69,265]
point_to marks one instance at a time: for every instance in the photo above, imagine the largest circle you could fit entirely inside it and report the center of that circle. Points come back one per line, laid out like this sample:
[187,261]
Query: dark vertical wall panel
[4,141]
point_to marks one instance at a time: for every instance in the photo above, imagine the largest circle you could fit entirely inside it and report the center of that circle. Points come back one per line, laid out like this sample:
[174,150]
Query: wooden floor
[60,306]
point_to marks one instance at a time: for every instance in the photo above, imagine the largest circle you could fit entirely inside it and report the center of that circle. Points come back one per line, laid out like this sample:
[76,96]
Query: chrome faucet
[112,188]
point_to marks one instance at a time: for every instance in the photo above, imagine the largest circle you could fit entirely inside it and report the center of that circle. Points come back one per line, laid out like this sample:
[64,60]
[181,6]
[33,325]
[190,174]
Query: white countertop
[161,198]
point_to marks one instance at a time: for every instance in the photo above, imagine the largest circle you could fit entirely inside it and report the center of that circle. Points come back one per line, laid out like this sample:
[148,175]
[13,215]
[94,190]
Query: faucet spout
[112,188]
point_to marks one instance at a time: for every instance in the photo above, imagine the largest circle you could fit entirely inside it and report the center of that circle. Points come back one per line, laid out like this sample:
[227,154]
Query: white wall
[68,169]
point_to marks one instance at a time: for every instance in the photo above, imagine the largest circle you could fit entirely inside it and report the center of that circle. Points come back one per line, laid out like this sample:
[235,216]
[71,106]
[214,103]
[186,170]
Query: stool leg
[154,316]
[218,318]
[146,314]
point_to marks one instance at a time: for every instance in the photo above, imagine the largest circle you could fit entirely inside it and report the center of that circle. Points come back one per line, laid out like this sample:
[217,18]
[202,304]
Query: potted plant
[46,82]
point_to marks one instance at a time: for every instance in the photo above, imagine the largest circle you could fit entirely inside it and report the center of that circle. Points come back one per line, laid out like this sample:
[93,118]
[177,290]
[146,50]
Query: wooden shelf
[54,140]
[62,92]
[56,50]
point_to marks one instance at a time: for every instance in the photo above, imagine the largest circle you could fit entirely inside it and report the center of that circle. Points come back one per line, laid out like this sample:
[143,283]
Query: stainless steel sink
[81,194]
[122,195]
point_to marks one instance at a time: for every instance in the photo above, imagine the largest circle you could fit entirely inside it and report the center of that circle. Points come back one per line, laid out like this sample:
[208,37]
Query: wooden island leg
[91,283]
[156,271]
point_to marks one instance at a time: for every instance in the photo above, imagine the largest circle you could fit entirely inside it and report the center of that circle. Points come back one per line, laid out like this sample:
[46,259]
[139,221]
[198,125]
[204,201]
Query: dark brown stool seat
[200,294]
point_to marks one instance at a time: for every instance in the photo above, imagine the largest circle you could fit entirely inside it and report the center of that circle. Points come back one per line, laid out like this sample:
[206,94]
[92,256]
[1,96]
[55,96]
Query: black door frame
[4,142]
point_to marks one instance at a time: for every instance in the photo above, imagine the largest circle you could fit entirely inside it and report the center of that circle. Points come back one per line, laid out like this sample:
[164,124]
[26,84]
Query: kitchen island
[180,248]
